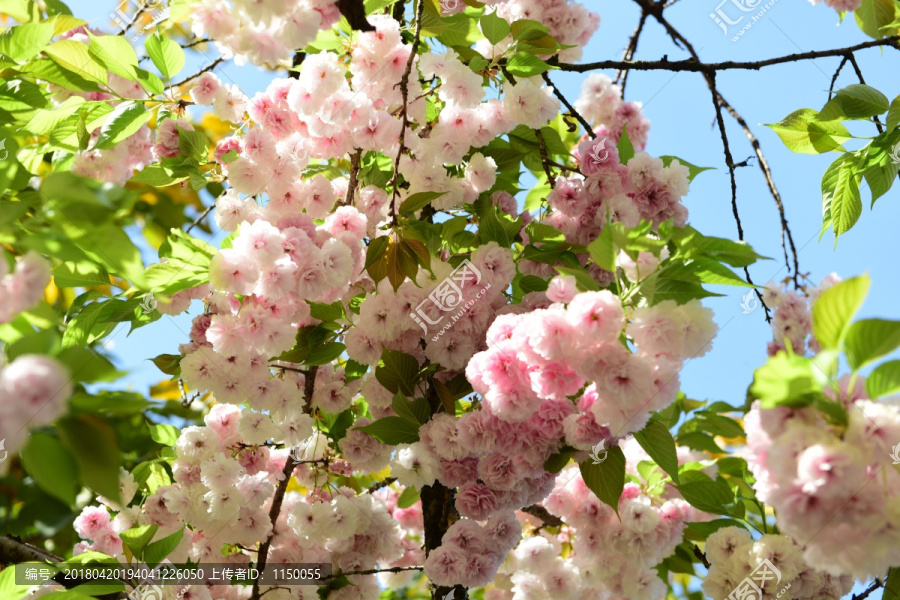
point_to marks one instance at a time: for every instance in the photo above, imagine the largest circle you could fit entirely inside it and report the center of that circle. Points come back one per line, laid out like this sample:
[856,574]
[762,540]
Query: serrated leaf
[73,56]
[157,551]
[855,101]
[392,431]
[123,122]
[702,492]
[493,27]
[166,54]
[606,479]
[51,466]
[870,339]
[884,380]
[835,308]
[92,443]
[802,132]
[397,372]
[657,441]
[115,53]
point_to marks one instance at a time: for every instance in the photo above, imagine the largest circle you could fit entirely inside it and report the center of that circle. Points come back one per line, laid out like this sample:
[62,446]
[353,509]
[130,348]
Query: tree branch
[544,515]
[694,64]
[630,49]
[587,127]
[380,484]
[289,466]
[404,90]
[354,176]
[205,69]
[865,594]
[545,158]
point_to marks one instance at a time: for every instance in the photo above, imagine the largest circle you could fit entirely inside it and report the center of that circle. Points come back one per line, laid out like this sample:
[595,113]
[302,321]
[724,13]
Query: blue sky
[680,109]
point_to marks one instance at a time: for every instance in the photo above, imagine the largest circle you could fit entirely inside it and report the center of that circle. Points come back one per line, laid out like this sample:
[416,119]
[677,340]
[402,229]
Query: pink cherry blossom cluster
[224,482]
[840,5]
[117,164]
[792,322]
[570,23]
[263,33]
[612,192]
[834,488]
[734,556]
[34,391]
[470,553]
[549,354]
[602,105]
[24,287]
[610,557]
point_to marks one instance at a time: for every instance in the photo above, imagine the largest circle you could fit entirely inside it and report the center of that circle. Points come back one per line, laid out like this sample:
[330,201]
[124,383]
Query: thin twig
[630,49]
[865,594]
[205,69]
[354,176]
[545,159]
[404,90]
[836,74]
[700,556]
[862,80]
[587,127]
[380,484]
[202,216]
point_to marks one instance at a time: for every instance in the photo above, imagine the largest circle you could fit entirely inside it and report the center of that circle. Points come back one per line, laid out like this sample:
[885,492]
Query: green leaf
[408,497]
[607,479]
[693,170]
[122,123]
[23,42]
[698,440]
[855,101]
[846,204]
[166,54]
[393,431]
[523,64]
[164,434]
[701,530]
[802,132]
[625,147]
[137,538]
[415,411]
[397,371]
[558,461]
[892,585]
[86,365]
[787,380]
[700,491]
[872,15]
[51,466]
[73,56]
[657,441]
[583,280]
[93,444]
[884,380]
[893,118]
[157,551]
[870,339]
[115,53]
[45,121]
[493,27]
[527,30]
[418,201]
[835,308]
[324,354]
